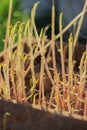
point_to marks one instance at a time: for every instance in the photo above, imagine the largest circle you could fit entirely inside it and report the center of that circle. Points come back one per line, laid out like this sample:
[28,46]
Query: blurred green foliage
[17,15]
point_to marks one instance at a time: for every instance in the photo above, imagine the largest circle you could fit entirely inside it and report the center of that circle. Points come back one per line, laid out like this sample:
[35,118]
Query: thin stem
[8,24]
[80,24]
[61,52]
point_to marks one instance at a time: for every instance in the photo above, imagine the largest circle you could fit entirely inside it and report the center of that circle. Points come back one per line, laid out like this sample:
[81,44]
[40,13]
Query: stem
[8,24]
[80,24]
[61,53]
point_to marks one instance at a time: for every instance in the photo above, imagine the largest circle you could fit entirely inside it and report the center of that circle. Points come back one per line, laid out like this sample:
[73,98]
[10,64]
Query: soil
[25,117]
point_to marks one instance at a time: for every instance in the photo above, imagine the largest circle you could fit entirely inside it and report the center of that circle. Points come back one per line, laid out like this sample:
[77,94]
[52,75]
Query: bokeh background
[22,9]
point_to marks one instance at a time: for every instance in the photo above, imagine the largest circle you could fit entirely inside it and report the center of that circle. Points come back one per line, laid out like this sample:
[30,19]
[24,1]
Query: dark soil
[25,117]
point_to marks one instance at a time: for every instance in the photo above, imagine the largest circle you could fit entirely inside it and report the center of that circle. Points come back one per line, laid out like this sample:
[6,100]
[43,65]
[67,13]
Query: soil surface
[25,117]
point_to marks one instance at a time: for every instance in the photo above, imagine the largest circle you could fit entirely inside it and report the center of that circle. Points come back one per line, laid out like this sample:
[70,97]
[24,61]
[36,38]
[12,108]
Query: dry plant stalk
[62,54]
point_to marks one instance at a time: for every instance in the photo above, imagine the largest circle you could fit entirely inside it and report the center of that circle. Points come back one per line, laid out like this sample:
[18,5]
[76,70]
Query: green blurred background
[17,15]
